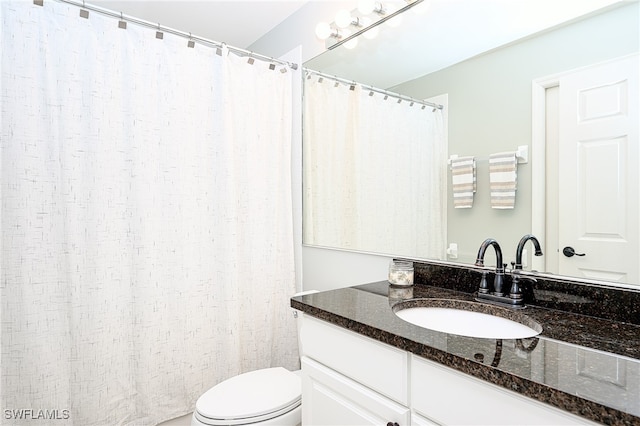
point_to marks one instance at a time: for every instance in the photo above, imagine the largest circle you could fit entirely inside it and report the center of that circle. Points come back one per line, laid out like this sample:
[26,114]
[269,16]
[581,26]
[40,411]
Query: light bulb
[371,33]
[344,34]
[351,43]
[323,30]
[395,21]
[390,10]
[366,6]
[343,18]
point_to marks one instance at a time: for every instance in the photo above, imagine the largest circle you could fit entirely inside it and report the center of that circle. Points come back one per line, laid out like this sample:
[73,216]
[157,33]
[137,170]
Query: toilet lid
[254,394]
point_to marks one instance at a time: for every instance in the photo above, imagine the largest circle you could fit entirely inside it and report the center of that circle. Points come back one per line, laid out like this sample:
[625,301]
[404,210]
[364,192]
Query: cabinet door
[451,398]
[600,377]
[418,420]
[329,398]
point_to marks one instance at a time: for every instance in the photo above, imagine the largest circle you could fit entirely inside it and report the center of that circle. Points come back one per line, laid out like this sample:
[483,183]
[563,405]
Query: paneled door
[598,179]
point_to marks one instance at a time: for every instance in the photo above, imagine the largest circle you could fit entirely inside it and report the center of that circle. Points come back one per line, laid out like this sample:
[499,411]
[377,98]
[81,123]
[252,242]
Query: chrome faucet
[499,279]
[519,250]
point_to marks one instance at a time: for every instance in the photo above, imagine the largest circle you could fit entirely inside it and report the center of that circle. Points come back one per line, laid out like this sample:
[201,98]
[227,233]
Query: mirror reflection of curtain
[374,172]
[147,237]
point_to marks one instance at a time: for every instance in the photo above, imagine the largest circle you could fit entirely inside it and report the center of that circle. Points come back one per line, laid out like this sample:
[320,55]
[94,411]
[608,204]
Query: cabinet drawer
[437,392]
[329,398]
[381,367]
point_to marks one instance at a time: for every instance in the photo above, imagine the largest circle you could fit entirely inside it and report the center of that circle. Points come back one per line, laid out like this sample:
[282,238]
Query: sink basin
[467,318]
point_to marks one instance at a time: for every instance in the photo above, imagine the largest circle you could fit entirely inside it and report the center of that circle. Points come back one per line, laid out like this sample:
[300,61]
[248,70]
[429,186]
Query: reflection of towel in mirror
[463,178]
[503,179]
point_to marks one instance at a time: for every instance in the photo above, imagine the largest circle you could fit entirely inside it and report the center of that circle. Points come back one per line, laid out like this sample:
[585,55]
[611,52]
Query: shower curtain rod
[373,89]
[158,27]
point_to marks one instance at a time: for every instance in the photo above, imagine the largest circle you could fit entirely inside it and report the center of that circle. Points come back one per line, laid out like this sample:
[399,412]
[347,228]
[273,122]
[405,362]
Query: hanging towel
[503,179]
[463,178]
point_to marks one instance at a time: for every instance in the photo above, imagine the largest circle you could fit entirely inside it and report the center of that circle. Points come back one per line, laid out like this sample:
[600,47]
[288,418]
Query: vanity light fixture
[352,42]
[396,20]
[366,19]
[367,7]
[344,19]
[372,32]
[324,31]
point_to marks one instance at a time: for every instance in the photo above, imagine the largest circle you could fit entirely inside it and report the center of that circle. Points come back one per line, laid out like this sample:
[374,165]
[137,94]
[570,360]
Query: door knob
[569,252]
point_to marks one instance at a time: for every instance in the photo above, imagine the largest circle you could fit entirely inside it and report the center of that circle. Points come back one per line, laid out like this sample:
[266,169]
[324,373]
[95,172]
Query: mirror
[489,88]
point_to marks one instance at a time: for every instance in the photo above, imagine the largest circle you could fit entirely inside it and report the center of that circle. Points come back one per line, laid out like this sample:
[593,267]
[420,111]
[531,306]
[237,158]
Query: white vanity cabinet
[350,379]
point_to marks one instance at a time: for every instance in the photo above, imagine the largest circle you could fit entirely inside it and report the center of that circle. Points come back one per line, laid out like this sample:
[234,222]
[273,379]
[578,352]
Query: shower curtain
[375,172]
[146,221]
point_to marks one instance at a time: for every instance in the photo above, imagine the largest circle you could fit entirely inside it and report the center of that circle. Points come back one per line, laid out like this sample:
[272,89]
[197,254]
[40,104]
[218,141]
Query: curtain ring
[84,13]
[122,23]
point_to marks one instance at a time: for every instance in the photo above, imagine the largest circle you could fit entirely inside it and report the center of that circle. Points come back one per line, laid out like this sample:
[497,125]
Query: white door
[598,173]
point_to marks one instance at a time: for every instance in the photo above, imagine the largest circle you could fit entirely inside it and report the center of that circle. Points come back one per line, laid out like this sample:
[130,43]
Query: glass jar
[401,272]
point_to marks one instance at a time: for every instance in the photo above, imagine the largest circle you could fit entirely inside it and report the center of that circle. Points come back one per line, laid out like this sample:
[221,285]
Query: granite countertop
[584,365]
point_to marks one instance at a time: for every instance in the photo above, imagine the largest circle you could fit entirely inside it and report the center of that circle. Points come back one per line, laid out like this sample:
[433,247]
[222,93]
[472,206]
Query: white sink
[469,323]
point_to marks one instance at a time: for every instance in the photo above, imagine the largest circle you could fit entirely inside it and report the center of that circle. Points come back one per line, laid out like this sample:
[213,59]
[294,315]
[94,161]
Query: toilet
[270,396]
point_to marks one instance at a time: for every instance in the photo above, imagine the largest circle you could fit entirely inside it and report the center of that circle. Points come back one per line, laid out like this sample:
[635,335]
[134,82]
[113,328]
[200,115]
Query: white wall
[327,269]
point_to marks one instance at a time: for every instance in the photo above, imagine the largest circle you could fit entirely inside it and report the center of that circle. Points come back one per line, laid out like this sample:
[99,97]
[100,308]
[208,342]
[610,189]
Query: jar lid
[402,264]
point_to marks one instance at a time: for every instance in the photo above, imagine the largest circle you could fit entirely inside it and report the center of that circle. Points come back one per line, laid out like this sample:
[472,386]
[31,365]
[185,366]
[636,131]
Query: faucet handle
[517,292]
[484,285]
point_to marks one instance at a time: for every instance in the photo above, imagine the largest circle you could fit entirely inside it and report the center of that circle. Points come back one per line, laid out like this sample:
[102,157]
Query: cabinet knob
[392,424]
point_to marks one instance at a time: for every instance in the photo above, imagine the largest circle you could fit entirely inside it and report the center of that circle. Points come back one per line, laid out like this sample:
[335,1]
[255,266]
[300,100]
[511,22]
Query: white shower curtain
[375,172]
[146,219]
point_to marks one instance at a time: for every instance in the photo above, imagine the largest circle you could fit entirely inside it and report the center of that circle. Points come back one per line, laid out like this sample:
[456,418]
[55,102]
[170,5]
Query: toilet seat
[251,397]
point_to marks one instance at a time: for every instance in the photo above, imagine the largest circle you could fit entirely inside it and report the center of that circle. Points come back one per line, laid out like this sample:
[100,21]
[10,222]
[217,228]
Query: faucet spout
[483,248]
[520,249]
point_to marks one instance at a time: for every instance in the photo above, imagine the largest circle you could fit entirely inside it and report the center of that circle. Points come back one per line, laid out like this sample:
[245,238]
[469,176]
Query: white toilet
[270,396]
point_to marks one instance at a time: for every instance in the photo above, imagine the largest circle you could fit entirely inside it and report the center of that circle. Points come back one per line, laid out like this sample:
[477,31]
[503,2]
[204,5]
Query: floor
[180,421]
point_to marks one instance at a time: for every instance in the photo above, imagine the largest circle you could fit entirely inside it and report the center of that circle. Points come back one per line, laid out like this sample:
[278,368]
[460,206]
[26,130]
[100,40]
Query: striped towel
[463,177]
[503,179]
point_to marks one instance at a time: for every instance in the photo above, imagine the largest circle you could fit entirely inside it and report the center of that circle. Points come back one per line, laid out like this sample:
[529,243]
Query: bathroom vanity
[362,364]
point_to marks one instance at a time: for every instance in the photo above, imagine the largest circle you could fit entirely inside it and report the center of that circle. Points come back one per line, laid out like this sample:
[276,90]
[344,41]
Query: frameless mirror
[441,47]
